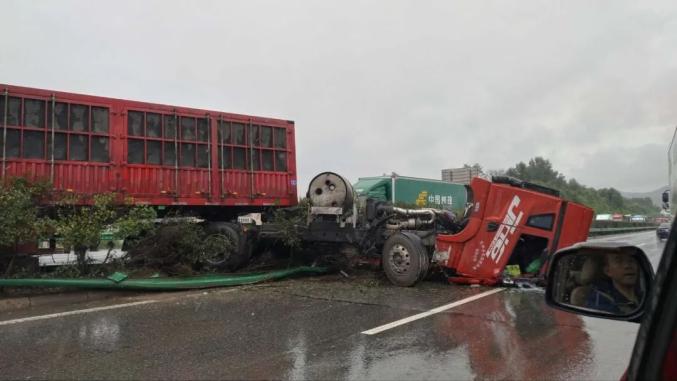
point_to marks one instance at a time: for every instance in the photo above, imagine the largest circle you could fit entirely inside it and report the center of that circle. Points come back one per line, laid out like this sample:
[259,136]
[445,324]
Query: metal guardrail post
[51,160]
[176,154]
[222,169]
[4,133]
[209,155]
[251,160]
[603,231]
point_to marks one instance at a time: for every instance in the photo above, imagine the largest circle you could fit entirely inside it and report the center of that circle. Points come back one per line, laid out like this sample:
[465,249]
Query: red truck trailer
[215,162]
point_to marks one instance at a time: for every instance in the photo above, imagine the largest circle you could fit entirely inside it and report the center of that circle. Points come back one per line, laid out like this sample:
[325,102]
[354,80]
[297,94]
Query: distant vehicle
[663,231]
[669,195]
[603,217]
[638,218]
[662,218]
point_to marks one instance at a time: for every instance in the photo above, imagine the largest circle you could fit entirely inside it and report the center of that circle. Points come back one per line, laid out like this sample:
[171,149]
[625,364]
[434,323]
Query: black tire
[404,260]
[240,248]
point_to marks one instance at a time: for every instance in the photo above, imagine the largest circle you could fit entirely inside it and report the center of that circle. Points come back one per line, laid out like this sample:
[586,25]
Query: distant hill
[654,195]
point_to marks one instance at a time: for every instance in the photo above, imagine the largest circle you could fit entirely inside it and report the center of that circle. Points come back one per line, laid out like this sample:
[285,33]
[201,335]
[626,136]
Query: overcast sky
[375,87]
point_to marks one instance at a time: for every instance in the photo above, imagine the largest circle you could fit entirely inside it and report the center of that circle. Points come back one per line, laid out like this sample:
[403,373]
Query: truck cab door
[485,255]
[516,222]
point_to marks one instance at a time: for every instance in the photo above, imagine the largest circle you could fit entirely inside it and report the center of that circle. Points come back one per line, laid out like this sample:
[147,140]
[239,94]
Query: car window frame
[656,330]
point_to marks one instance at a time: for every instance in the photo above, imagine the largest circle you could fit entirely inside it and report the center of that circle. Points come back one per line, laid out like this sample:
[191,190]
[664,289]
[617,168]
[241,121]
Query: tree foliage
[476,166]
[19,212]
[175,248]
[80,226]
[288,221]
[605,200]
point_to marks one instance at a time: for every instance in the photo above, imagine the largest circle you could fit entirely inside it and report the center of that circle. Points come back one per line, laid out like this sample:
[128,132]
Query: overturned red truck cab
[510,223]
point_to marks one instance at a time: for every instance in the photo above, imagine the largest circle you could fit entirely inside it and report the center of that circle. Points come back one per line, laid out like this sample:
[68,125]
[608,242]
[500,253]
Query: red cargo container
[156,154]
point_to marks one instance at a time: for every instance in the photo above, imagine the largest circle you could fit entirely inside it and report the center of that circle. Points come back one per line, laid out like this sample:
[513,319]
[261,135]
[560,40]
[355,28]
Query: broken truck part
[506,222]
[511,222]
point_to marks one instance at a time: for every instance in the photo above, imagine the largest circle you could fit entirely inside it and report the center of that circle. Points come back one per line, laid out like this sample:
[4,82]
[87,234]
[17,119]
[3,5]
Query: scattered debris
[176,248]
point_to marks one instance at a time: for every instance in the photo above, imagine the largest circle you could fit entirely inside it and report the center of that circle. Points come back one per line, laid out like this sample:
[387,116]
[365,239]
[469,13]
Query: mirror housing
[585,279]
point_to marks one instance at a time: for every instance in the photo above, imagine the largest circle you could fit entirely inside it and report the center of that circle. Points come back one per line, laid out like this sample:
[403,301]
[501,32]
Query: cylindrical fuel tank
[329,189]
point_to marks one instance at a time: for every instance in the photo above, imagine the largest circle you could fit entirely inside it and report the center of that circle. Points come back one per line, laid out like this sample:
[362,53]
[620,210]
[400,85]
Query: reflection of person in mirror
[618,294]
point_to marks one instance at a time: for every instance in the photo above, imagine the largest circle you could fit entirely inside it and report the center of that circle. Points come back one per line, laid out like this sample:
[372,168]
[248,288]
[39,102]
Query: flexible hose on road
[206,281]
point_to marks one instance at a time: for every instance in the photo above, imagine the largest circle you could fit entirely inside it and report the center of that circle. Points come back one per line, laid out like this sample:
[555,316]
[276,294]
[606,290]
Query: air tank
[329,189]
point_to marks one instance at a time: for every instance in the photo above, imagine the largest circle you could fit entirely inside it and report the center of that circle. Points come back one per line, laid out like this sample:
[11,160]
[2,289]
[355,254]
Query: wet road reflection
[310,329]
[100,334]
[509,335]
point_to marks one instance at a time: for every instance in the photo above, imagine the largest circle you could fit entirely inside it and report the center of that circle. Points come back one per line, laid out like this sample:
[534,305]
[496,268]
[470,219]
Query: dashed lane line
[433,311]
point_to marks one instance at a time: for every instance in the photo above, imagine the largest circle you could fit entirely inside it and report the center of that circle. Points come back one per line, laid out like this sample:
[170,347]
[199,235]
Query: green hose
[120,281]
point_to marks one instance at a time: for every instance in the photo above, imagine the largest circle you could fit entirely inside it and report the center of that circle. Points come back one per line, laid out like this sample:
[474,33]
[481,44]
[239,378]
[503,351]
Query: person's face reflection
[621,268]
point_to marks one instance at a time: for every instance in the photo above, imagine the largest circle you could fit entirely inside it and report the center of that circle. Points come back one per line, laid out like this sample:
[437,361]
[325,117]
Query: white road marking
[76,312]
[437,310]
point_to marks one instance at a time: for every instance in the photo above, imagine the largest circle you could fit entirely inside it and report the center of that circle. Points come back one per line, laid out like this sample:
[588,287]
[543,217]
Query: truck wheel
[226,246]
[405,261]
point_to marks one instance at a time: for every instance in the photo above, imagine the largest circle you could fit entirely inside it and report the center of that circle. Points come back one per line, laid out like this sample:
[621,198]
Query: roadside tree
[80,226]
[20,216]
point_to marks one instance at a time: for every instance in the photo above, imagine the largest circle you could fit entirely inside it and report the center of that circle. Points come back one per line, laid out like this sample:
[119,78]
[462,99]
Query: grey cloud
[377,87]
[645,165]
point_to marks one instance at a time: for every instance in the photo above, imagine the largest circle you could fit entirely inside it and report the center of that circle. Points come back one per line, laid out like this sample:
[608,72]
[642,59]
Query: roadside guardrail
[607,231]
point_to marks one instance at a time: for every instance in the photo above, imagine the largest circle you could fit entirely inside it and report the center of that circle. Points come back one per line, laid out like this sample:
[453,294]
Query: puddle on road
[101,334]
[510,335]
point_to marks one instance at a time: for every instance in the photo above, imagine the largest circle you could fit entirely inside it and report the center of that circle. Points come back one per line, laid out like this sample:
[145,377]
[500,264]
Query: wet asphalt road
[311,329]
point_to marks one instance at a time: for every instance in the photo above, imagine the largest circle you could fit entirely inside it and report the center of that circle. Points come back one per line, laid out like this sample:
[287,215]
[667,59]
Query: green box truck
[413,192]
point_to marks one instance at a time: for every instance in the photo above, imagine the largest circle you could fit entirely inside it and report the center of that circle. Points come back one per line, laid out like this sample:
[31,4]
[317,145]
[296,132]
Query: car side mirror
[607,280]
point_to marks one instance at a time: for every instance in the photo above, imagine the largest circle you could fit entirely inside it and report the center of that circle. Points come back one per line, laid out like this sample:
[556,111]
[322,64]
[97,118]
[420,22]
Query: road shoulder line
[75,312]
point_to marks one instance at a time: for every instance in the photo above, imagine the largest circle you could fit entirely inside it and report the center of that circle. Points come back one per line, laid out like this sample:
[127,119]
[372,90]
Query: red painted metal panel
[479,252]
[271,184]
[153,183]
[236,184]
[193,182]
[146,181]
[576,225]
[82,178]
[31,170]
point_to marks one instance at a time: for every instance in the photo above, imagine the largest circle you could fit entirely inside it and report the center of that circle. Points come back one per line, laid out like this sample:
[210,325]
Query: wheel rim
[399,259]
[216,248]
